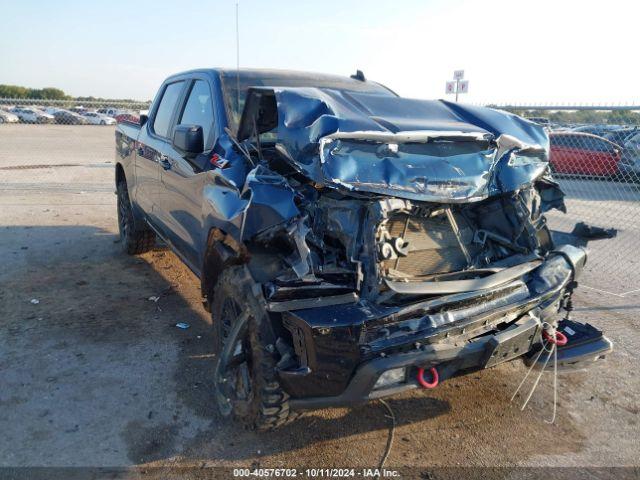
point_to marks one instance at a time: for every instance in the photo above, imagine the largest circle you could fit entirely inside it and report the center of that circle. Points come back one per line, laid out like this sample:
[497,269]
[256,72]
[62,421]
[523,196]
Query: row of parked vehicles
[72,116]
[608,151]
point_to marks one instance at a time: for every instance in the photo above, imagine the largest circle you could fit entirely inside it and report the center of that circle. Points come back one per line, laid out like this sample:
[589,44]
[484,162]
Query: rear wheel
[133,239]
[247,386]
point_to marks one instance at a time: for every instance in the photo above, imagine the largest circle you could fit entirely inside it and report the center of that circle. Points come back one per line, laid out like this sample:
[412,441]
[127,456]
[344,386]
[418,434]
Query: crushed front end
[387,250]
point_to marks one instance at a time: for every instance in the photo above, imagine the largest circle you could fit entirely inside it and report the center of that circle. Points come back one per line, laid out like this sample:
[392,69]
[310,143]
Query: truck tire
[133,239]
[247,386]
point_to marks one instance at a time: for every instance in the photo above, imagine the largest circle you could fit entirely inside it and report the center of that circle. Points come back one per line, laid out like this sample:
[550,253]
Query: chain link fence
[69,112]
[594,155]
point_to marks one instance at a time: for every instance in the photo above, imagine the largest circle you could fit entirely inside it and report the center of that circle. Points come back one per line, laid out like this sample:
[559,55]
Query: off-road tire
[133,239]
[267,407]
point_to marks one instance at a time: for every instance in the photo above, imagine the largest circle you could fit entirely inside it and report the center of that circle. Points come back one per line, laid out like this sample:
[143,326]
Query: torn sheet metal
[270,201]
[416,149]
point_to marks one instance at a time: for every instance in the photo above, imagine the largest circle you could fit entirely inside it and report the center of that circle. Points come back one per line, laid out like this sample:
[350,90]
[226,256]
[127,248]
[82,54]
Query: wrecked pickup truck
[351,244]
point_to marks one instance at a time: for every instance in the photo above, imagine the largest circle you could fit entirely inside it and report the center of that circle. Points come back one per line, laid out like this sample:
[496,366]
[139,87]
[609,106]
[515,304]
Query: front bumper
[521,339]
[450,360]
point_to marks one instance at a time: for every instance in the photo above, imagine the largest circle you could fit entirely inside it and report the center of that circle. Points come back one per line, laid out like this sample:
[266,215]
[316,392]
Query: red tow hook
[434,375]
[560,340]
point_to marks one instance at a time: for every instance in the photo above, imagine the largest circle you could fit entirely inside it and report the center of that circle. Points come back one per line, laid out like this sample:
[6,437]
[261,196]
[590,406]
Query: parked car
[79,109]
[95,118]
[620,135]
[69,118]
[584,154]
[110,112]
[630,160]
[32,115]
[8,117]
[127,117]
[349,244]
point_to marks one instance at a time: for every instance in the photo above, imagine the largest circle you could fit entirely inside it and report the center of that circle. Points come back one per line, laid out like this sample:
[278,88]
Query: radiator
[433,246]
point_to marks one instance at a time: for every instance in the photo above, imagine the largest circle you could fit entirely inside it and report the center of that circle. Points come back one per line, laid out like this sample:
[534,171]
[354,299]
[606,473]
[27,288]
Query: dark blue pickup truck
[350,243]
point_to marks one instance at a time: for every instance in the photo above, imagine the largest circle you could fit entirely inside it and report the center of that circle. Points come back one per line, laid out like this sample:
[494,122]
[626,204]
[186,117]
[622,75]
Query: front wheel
[246,382]
[133,240]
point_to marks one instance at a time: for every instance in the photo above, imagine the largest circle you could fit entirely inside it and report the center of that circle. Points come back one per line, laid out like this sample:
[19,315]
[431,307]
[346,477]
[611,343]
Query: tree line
[51,93]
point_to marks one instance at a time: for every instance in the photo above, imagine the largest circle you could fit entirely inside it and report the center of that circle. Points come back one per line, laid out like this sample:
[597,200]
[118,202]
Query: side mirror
[188,139]
[143,119]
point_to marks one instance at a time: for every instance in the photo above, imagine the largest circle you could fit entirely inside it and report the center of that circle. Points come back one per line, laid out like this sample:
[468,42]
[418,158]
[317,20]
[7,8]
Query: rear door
[183,178]
[152,150]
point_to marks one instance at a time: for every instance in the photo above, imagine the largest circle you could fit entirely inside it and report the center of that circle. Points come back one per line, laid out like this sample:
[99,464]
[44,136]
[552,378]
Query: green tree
[13,91]
[51,93]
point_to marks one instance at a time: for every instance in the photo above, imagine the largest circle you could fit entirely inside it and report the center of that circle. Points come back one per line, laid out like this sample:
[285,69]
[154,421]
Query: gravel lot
[95,374]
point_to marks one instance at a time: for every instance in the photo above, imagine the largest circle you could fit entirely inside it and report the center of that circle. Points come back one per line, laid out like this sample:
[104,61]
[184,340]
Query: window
[596,144]
[161,123]
[198,110]
[561,140]
[235,103]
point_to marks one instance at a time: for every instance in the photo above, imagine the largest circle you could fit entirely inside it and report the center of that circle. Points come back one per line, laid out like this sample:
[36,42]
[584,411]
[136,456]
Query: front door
[182,178]
[151,151]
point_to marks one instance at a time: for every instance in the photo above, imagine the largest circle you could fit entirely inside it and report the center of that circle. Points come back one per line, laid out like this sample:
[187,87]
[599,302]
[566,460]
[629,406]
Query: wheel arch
[221,251]
[120,175]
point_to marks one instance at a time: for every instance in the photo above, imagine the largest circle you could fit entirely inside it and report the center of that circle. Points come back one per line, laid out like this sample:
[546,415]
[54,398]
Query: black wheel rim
[233,379]
[123,216]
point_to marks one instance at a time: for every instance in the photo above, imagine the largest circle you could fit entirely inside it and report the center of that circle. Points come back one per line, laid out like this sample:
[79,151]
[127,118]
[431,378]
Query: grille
[433,246]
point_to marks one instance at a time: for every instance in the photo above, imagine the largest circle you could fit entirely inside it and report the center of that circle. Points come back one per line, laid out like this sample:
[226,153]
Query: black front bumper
[521,339]
[342,350]
[449,359]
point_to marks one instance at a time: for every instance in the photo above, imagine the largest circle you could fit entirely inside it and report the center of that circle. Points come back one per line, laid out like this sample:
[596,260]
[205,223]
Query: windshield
[234,103]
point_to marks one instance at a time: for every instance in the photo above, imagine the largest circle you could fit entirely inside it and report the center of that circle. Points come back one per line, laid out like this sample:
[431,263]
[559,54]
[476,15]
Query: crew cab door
[182,176]
[152,150]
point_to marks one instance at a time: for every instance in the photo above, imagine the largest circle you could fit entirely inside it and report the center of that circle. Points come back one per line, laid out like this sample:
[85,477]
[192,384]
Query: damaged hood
[414,149]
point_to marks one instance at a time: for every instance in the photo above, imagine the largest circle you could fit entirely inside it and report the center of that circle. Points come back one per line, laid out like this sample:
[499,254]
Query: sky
[542,51]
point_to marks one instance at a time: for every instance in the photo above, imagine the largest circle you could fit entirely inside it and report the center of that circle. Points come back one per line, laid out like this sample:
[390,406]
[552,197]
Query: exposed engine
[346,247]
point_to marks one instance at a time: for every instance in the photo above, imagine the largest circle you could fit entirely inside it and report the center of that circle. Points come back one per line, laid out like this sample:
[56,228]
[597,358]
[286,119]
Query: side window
[161,123]
[598,145]
[559,140]
[199,110]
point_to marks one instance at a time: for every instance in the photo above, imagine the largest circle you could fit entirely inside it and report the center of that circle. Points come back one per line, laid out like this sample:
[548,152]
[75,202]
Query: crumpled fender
[270,201]
[265,200]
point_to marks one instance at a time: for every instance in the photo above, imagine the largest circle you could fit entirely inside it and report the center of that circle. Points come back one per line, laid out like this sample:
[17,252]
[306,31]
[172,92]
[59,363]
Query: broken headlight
[520,160]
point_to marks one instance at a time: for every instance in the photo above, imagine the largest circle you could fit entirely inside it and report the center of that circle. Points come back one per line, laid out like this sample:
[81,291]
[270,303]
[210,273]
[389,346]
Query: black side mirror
[143,119]
[188,139]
